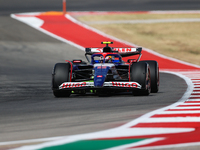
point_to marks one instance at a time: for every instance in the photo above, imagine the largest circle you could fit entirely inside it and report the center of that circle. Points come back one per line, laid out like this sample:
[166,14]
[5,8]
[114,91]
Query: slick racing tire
[61,74]
[140,73]
[154,69]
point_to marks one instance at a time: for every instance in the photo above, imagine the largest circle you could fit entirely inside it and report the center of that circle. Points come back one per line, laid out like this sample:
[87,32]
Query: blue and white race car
[106,73]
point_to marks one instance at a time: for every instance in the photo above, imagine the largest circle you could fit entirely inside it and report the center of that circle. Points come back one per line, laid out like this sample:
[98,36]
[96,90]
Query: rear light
[99,76]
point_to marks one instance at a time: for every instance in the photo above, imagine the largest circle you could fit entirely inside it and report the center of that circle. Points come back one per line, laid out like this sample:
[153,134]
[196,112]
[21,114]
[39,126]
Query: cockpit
[105,58]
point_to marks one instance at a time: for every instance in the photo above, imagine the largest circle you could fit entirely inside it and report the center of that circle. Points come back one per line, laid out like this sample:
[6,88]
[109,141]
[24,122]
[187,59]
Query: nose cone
[100,73]
[98,81]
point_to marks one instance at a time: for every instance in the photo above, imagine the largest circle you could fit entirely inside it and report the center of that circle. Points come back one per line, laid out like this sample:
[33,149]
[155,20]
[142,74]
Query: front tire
[155,81]
[61,74]
[140,73]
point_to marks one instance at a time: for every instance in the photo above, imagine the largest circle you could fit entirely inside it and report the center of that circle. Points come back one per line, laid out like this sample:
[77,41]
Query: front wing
[90,85]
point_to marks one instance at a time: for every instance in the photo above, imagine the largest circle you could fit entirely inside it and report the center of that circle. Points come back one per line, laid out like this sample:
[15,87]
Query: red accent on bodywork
[131,60]
[76,61]
[71,69]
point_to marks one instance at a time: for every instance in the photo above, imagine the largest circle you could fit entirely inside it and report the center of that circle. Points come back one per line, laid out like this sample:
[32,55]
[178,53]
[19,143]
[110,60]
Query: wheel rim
[148,81]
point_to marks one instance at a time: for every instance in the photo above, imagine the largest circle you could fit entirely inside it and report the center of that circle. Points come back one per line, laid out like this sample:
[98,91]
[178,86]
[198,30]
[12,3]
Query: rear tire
[140,73]
[154,75]
[61,74]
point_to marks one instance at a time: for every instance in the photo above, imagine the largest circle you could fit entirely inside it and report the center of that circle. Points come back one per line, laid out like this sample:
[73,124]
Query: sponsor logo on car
[96,50]
[101,67]
[71,85]
[120,50]
[126,84]
[124,50]
[75,84]
[106,84]
[123,84]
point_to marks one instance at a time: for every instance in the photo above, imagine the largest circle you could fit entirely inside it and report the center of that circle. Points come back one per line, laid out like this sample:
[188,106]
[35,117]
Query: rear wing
[123,51]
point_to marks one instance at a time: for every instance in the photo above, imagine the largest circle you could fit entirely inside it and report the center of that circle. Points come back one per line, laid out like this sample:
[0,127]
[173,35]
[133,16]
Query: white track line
[190,104]
[179,112]
[171,119]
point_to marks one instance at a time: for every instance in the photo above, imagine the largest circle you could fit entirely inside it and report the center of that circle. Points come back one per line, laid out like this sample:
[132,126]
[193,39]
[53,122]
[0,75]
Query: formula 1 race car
[106,73]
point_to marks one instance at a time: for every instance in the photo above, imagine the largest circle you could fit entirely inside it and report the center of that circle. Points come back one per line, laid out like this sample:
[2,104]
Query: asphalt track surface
[28,110]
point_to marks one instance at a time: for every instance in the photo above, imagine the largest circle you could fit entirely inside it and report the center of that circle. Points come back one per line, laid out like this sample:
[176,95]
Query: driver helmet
[108,59]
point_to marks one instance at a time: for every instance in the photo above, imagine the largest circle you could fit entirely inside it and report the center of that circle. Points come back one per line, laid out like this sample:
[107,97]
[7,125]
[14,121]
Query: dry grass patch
[135,17]
[177,40]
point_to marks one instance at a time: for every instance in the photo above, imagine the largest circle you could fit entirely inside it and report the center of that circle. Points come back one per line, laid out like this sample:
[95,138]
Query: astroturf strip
[93,144]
